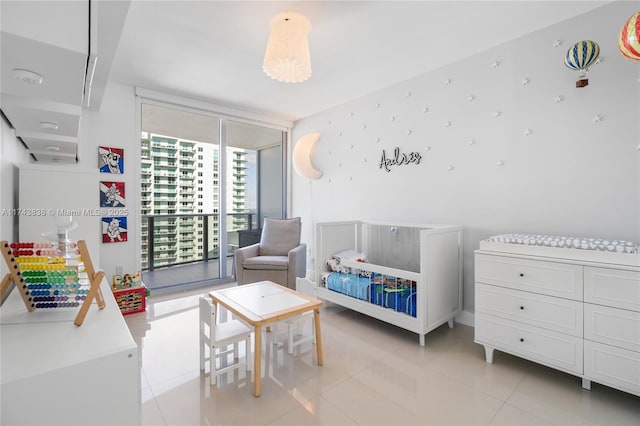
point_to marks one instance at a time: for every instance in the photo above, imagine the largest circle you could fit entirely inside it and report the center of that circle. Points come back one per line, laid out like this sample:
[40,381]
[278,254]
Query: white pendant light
[287,56]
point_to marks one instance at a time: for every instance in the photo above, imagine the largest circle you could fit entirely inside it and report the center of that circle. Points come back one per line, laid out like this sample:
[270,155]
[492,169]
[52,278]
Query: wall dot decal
[497,114]
[377,140]
[450,168]
[377,105]
[559,99]
[447,124]
[598,118]
[364,160]
[495,64]
[393,118]
[351,114]
[447,82]
[525,82]
[329,180]
[470,98]
[471,142]
[408,94]
[427,148]
[329,122]
[557,43]
[340,134]
[409,132]
[350,177]
[351,146]
[527,132]
[309,127]
[638,147]
[425,109]
[500,163]
[339,164]
[329,152]
[364,126]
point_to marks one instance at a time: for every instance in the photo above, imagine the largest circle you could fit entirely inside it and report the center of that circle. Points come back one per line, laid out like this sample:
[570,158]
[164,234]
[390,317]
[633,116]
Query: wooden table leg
[257,361]
[316,317]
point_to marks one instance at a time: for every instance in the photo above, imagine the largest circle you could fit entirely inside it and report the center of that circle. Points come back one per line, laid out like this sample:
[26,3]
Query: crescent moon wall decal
[302,156]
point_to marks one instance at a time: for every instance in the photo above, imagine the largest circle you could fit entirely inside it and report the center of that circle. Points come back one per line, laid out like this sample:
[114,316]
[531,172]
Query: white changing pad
[598,244]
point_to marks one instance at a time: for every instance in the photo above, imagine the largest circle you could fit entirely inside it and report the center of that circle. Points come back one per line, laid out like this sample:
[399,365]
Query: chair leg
[212,361]
[291,326]
[202,352]
[247,351]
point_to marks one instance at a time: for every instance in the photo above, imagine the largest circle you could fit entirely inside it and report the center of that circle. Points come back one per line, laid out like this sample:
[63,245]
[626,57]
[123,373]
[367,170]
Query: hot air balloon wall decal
[629,38]
[579,57]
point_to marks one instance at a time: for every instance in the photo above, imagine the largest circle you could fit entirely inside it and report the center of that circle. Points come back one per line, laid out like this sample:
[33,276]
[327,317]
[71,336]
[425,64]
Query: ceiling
[212,51]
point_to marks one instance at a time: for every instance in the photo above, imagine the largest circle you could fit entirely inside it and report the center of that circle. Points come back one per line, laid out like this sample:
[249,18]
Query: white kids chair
[218,337]
[295,325]
[295,330]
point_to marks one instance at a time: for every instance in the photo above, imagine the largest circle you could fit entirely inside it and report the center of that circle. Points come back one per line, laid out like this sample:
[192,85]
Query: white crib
[428,256]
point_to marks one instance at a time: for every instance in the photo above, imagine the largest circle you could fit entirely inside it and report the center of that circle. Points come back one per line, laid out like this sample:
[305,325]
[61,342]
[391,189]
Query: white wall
[576,173]
[12,152]
[115,126]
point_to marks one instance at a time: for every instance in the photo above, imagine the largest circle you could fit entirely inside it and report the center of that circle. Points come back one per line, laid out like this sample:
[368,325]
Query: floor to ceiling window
[206,184]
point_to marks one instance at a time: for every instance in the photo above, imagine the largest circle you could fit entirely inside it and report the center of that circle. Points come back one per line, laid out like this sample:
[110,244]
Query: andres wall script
[399,159]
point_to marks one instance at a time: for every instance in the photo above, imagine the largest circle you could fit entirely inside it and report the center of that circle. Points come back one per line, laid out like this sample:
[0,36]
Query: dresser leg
[422,340]
[450,322]
[488,353]
[586,384]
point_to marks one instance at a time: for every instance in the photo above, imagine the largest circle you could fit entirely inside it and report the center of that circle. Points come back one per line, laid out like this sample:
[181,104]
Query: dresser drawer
[612,287]
[544,346]
[548,312]
[616,367]
[550,278]
[612,326]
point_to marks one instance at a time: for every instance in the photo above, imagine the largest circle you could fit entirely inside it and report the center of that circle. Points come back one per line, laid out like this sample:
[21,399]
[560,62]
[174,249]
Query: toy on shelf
[118,282]
[46,280]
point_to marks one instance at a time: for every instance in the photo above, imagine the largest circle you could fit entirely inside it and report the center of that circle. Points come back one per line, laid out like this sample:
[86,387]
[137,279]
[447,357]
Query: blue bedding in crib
[350,284]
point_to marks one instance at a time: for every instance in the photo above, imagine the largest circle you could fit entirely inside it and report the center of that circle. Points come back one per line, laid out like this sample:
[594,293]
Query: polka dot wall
[507,143]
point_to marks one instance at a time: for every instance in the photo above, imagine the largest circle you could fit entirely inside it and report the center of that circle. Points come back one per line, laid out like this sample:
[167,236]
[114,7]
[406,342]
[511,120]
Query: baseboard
[465,318]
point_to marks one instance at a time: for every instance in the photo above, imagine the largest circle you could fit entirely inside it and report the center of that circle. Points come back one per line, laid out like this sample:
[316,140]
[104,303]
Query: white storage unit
[429,255]
[571,309]
[54,372]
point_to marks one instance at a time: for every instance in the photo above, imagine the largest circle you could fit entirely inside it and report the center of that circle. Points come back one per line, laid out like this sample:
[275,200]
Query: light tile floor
[373,374]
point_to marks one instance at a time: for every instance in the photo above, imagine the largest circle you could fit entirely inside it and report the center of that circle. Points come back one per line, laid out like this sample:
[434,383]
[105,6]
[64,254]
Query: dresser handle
[522,308]
[521,339]
[521,274]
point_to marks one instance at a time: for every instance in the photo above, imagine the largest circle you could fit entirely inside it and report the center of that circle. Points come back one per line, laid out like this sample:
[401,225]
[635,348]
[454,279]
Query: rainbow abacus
[46,281]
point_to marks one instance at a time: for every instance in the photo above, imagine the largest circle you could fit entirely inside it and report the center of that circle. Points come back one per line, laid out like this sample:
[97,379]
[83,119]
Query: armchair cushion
[267,262]
[279,236]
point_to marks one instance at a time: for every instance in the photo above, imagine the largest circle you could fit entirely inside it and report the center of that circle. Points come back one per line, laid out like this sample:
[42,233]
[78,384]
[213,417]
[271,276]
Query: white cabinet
[579,316]
[53,372]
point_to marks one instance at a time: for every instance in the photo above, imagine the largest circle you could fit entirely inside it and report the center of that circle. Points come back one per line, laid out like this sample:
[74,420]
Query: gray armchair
[278,257]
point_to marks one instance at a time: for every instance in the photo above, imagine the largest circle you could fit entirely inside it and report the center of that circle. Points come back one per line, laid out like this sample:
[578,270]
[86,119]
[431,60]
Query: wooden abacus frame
[14,279]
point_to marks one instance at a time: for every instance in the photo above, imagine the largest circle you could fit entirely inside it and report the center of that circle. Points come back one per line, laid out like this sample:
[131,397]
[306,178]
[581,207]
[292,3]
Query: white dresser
[574,310]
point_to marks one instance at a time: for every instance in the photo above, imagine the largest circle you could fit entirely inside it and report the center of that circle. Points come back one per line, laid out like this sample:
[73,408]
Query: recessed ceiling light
[47,125]
[53,148]
[27,76]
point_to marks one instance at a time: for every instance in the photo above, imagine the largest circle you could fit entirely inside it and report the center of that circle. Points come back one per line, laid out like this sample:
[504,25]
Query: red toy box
[131,300]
